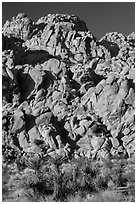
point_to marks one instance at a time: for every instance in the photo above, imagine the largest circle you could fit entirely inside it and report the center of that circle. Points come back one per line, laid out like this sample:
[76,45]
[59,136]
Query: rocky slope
[64,91]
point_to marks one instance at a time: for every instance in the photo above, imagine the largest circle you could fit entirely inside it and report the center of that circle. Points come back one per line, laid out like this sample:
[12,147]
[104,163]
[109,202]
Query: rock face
[64,91]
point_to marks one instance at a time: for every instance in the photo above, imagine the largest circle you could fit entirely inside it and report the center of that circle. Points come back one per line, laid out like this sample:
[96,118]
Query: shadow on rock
[112,47]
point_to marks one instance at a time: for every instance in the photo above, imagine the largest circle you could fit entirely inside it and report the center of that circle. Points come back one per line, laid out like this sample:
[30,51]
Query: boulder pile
[64,92]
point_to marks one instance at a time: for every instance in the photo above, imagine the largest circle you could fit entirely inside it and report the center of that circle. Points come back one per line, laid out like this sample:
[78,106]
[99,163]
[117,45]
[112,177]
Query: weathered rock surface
[64,92]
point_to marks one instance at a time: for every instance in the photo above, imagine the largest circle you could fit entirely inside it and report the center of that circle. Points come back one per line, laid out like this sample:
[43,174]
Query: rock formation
[64,91]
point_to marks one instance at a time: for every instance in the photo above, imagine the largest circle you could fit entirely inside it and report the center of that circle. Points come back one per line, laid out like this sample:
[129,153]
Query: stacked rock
[64,91]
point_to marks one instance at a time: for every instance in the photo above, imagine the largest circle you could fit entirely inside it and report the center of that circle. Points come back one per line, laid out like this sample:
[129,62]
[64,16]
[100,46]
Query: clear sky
[100,17]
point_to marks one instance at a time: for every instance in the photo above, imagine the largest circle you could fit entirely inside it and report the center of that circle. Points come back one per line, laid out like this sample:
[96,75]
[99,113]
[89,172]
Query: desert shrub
[39,177]
[10,174]
[120,171]
[42,179]
[30,179]
[9,153]
[84,177]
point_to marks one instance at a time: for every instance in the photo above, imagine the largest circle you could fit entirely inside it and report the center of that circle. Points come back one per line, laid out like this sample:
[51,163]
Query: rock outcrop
[65,92]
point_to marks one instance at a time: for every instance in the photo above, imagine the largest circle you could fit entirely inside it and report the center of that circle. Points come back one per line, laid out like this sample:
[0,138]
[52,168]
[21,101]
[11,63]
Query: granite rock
[55,73]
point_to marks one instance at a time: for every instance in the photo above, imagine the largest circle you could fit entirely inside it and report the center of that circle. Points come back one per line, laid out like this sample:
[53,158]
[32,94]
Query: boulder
[44,119]
[131,74]
[79,57]
[84,145]
[22,138]
[130,98]
[97,142]
[19,122]
[80,130]
[111,78]
[53,65]
[115,142]
[85,123]
[33,134]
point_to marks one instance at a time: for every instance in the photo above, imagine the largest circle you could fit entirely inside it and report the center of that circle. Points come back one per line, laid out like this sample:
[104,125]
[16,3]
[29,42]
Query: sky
[100,17]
